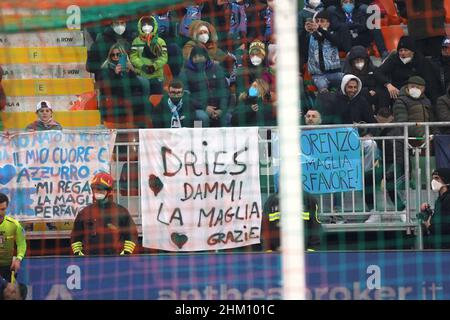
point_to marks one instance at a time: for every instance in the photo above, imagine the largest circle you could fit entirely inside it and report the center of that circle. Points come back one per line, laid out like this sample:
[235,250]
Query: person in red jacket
[104,227]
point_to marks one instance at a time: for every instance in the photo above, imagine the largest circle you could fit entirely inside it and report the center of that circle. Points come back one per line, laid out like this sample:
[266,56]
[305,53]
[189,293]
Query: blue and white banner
[330,158]
[46,174]
[256,276]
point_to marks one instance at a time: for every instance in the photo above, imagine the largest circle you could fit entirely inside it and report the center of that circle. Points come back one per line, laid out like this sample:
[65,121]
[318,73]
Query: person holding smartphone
[122,98]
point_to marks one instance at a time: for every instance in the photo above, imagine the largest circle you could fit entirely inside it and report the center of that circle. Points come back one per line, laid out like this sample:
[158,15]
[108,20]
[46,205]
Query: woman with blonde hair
[122,98]
[254,106]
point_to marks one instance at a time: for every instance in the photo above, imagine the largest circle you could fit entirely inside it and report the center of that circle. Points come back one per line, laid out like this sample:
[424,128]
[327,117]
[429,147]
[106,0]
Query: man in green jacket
[11,234]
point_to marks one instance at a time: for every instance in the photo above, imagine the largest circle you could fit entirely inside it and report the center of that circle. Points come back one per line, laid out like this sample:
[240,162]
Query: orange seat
[116,125]
[447,11]
[155,99]
[168,76]
[391,11]
[391,36]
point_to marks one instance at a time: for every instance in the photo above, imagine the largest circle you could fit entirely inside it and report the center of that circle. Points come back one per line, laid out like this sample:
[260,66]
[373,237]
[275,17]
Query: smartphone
[123,62]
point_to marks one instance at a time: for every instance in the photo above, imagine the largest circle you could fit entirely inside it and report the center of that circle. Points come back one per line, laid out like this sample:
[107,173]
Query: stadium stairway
[49,66]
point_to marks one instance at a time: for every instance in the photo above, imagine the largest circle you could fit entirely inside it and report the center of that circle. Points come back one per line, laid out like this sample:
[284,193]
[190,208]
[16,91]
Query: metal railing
[353,211]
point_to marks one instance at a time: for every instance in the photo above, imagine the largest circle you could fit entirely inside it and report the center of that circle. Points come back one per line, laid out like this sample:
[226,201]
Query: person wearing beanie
[413,106]
[437,221]
[45,120]
[394,72]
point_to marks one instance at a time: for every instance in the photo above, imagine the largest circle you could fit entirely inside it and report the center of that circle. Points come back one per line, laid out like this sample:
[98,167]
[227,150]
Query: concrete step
[43,87]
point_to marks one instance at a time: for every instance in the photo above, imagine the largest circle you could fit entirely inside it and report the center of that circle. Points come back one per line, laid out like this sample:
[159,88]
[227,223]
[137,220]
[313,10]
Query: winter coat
[120,94]
[99,50]
[245,116]
[149,50]
[394,71]
[162,116]
[425,23]
[214,52]
[323,53]
[443,110]
[206,87]
[366,75]
[361,35]
[340,109]
[407,109]
[439,237]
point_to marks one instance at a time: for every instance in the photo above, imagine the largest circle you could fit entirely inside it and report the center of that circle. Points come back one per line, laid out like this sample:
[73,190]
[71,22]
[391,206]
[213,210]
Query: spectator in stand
[103,227]
[442,66]
[437,221]
[254,107]
[307,14]
[442,112]
[191,12]
[413,106]
[260,18]
[207,86]
[122,98]
[359,63]
[355,19]
[321,51]
[204,34]
[426,25]
[395,71]
[149,54]
[45,120]
[254,66]
[313,118]
[13,244]
[174,109]
[116,32]
[348,106]
[167,31]
[394,162]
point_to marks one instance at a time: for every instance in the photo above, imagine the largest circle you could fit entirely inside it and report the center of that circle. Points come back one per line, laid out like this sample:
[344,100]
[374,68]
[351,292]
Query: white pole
[288,110]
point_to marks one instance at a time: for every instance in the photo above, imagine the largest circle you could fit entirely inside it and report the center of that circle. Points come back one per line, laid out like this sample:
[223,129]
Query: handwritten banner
[331,160]
[200,188]
[46,174]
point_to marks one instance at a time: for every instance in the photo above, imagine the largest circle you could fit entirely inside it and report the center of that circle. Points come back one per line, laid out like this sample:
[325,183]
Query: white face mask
[256,61]
[203,38]
[415,93]
[119,29]
[436,185]
[99,196]
[147,29]
[406,60]
[314,3]
[359,65]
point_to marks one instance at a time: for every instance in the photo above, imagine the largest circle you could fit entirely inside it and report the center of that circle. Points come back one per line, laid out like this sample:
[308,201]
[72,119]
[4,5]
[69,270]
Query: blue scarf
[175,121]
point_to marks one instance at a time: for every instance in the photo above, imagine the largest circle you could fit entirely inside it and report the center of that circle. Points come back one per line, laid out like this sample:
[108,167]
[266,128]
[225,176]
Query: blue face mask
[252,92]
[348,7]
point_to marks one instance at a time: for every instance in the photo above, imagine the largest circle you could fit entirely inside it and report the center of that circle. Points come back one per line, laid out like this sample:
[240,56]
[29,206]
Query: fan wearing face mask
[116,33]
[437,221]
[103,227]
[358,63]
[413,106]
[395,71]
[149,54]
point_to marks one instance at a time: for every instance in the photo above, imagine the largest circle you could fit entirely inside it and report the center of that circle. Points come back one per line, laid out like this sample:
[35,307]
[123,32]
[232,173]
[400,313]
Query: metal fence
[339,212]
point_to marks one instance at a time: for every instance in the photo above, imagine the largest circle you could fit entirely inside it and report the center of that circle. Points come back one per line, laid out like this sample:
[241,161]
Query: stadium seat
[447,11]
[86,101]
[155,99]
[392,35]
[391,11]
